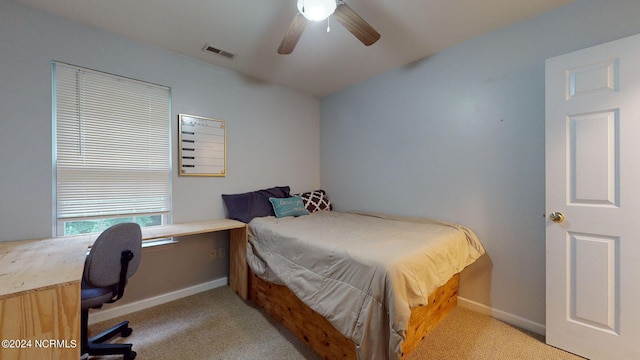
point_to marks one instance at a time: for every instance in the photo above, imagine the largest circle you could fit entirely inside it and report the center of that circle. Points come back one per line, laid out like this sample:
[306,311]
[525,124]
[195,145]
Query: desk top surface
[29,265]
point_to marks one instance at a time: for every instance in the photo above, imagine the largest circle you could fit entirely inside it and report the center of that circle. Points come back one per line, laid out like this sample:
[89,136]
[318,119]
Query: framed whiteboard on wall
[202,146]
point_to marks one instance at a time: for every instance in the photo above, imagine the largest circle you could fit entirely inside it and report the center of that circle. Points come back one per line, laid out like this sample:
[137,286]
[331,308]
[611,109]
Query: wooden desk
[40,287]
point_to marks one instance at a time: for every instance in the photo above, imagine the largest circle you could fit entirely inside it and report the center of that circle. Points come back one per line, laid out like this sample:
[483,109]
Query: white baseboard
[113,312]
[116,311]
[509,318]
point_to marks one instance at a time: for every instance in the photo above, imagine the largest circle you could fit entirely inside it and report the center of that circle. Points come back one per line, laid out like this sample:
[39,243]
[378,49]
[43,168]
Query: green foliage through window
[94,226]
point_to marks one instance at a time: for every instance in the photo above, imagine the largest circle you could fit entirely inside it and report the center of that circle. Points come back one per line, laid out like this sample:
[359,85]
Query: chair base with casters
[95,345]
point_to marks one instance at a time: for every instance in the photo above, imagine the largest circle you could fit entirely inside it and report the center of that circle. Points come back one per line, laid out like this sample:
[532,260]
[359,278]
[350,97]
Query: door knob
[556,216]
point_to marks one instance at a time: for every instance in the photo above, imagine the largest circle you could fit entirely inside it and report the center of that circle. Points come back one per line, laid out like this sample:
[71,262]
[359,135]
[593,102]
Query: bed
[356,285]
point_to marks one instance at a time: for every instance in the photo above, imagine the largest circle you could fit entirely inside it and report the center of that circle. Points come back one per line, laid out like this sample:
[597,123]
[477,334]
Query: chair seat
[94,297]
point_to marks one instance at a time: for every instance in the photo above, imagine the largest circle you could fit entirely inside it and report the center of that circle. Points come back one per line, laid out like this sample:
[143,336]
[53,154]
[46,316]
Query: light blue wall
[459,136]
[258,117]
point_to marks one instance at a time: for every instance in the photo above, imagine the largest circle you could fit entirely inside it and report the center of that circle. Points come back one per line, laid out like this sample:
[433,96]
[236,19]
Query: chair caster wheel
[126,332]
[133,355]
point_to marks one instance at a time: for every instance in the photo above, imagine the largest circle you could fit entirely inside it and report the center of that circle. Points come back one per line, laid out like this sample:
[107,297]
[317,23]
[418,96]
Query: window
[112,160]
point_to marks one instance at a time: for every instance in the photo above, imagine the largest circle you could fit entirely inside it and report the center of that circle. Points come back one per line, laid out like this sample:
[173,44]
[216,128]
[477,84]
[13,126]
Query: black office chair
[114,257]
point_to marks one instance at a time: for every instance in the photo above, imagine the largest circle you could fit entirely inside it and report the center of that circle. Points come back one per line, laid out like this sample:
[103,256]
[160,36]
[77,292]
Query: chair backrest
[102,266]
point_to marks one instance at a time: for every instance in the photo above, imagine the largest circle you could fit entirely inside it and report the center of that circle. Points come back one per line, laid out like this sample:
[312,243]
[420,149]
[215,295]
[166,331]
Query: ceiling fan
[318,10]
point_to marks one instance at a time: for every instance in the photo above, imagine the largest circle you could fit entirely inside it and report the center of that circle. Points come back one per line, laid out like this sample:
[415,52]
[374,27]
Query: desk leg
[238,269]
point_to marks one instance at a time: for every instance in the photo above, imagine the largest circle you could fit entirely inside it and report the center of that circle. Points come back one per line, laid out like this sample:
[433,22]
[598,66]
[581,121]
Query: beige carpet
[217,324]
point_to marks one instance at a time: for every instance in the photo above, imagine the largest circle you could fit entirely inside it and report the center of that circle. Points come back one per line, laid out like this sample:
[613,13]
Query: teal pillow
[291,206]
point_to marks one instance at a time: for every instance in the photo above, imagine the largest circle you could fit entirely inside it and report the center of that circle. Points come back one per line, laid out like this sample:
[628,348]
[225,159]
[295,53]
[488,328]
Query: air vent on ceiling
[220,52]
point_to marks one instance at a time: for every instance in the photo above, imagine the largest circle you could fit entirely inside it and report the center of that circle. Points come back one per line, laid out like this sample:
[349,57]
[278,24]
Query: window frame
[58,223]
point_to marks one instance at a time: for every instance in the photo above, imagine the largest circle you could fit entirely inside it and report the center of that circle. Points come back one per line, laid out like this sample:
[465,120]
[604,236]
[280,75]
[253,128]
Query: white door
[593,179]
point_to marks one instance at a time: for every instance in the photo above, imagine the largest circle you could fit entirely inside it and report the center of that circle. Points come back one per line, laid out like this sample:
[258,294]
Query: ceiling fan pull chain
[328,26]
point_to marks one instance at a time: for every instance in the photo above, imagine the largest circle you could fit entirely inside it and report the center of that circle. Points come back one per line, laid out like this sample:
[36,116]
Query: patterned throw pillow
[316,200]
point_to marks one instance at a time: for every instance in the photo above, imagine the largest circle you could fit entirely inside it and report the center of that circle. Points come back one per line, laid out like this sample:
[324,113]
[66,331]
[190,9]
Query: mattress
[363,272]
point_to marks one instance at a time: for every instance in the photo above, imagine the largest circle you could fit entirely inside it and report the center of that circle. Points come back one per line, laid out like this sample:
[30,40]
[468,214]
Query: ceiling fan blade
[293,35]
[356,25]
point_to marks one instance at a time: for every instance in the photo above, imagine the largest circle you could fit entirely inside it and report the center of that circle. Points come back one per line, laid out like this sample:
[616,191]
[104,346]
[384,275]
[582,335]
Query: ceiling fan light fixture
[316,10]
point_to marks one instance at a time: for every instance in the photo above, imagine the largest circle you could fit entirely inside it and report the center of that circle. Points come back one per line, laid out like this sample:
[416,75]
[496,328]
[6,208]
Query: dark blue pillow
[244,207]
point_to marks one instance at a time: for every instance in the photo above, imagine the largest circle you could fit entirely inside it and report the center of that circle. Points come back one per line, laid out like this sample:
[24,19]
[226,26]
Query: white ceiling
[322,62]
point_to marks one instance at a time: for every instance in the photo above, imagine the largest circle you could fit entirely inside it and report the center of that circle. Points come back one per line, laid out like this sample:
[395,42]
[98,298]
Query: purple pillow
[244,207]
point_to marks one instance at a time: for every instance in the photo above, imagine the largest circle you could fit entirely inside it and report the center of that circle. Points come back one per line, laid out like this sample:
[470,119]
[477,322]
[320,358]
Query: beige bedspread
[363,272]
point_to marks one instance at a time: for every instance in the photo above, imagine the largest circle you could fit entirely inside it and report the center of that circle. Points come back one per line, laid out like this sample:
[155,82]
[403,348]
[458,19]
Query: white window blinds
[112,148]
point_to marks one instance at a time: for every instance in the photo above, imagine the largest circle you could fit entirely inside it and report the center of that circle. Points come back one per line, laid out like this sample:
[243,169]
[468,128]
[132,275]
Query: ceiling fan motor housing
[316,10]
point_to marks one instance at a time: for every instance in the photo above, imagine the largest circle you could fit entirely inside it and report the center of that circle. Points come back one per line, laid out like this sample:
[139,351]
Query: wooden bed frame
[316,331]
